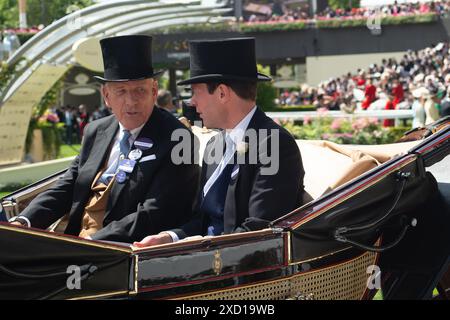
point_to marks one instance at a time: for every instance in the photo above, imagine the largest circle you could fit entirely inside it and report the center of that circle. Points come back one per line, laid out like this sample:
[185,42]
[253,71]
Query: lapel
[214,160]
[145,170]
[98,154]
[238,185]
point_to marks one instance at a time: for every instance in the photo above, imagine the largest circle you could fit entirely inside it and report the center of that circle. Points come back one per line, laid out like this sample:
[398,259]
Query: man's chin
[130,125]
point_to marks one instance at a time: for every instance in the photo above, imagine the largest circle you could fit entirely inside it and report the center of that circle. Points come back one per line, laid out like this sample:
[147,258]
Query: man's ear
[155,88]
[224,92]
[105,94]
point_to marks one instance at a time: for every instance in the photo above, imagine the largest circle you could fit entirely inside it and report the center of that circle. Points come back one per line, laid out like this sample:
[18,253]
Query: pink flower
[336,124]
[53,118]
[360,124]
[307,120]
[343,135]
[373,121]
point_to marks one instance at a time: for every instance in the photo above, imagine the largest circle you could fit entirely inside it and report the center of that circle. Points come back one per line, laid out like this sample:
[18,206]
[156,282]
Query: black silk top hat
[226,59]
[127,58]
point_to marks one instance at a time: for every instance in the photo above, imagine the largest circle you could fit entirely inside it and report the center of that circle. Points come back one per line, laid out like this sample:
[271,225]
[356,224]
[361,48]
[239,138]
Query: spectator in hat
[431,106]
[398,93]
[418,107]
[369,94]
[389,106]
[445,104]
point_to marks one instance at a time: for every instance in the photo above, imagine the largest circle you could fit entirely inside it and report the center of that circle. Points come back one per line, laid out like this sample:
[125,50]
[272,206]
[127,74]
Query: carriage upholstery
[328,165]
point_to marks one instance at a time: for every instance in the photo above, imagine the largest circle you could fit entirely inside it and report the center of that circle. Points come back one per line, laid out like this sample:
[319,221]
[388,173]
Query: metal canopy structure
[48,55]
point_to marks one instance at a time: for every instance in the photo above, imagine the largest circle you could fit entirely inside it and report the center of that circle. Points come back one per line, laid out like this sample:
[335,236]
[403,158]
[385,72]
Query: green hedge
[344,131]
[198,28]
[296,25]
[11,187]
[341,23]
[269,27]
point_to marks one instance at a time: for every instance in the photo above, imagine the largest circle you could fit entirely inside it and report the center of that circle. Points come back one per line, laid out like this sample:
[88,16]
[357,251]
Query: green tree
[38,11]
[9,14]
[266,92]
[336,4]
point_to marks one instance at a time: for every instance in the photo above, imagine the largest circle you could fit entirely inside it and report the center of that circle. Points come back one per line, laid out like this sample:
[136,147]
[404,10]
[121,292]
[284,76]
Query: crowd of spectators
[419,81]
[279,12]
[74,120]
[439,7]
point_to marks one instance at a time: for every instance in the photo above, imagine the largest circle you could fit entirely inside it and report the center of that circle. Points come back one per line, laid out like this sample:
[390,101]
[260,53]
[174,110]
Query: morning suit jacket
[252,199]
[153,198]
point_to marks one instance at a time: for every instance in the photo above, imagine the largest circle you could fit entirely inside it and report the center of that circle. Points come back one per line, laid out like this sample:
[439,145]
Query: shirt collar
[134,133]
[237,133]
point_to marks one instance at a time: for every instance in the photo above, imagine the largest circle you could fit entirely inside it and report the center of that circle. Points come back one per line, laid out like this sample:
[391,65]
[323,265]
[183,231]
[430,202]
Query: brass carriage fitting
[402,175]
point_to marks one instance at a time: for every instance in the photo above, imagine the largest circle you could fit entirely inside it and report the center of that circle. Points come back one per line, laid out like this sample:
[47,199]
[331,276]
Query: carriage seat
[328,165]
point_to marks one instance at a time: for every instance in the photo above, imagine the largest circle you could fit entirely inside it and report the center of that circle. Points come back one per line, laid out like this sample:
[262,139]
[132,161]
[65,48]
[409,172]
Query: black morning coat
[253,199]
[158,195]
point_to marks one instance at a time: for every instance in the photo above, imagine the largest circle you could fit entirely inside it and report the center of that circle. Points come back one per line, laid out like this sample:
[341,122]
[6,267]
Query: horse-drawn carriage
[378,219]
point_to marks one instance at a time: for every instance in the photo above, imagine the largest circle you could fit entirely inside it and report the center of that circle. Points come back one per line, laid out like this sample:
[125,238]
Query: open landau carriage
[374,208]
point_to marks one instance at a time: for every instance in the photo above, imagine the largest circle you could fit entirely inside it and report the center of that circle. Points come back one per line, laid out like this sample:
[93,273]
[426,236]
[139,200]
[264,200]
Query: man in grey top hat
[124,183]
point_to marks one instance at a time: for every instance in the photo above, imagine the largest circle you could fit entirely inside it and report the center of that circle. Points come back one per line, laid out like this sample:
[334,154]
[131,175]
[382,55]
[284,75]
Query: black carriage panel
[36,264]
[200,266]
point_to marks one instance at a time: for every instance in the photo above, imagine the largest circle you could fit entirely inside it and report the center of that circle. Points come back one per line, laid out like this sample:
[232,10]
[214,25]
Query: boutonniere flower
[241,148]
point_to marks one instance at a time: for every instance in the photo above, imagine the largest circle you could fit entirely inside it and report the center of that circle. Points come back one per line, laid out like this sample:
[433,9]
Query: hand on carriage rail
[154,240]
[161,238]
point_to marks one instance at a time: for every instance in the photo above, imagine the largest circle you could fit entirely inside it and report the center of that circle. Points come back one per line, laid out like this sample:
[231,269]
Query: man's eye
[120,92]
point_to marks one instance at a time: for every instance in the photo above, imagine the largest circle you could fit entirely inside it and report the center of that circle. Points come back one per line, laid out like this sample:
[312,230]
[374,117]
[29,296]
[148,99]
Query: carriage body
[394,217]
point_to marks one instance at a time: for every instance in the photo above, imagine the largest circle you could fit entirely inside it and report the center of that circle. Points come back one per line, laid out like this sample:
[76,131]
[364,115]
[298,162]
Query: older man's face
[132,102]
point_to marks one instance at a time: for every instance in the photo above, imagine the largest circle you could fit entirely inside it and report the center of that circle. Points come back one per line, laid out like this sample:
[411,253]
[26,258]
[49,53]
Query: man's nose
[191,103]
[130,98]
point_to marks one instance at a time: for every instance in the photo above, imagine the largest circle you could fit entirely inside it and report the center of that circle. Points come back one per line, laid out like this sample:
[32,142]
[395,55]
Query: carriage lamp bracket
[406,223]
[401,176]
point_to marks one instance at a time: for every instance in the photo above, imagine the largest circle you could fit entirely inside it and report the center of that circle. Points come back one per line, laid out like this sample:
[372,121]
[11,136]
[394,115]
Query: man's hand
[154,240]
[17,223]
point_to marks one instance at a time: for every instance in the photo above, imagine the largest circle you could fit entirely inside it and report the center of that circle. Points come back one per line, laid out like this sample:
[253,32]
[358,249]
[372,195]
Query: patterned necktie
[124,146]
[229,151]
[213,202]
[125,143]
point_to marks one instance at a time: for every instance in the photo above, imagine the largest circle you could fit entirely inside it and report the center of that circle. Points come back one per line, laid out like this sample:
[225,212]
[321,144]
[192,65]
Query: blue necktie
[124,146]
[213,203]
[125,143]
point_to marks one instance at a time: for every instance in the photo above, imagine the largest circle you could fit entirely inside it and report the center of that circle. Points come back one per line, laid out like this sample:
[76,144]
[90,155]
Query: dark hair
[243,89]
[164,98]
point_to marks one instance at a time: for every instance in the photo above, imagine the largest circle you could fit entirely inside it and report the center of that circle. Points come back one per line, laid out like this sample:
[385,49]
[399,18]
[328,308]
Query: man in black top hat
[124,184]
[252,170]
